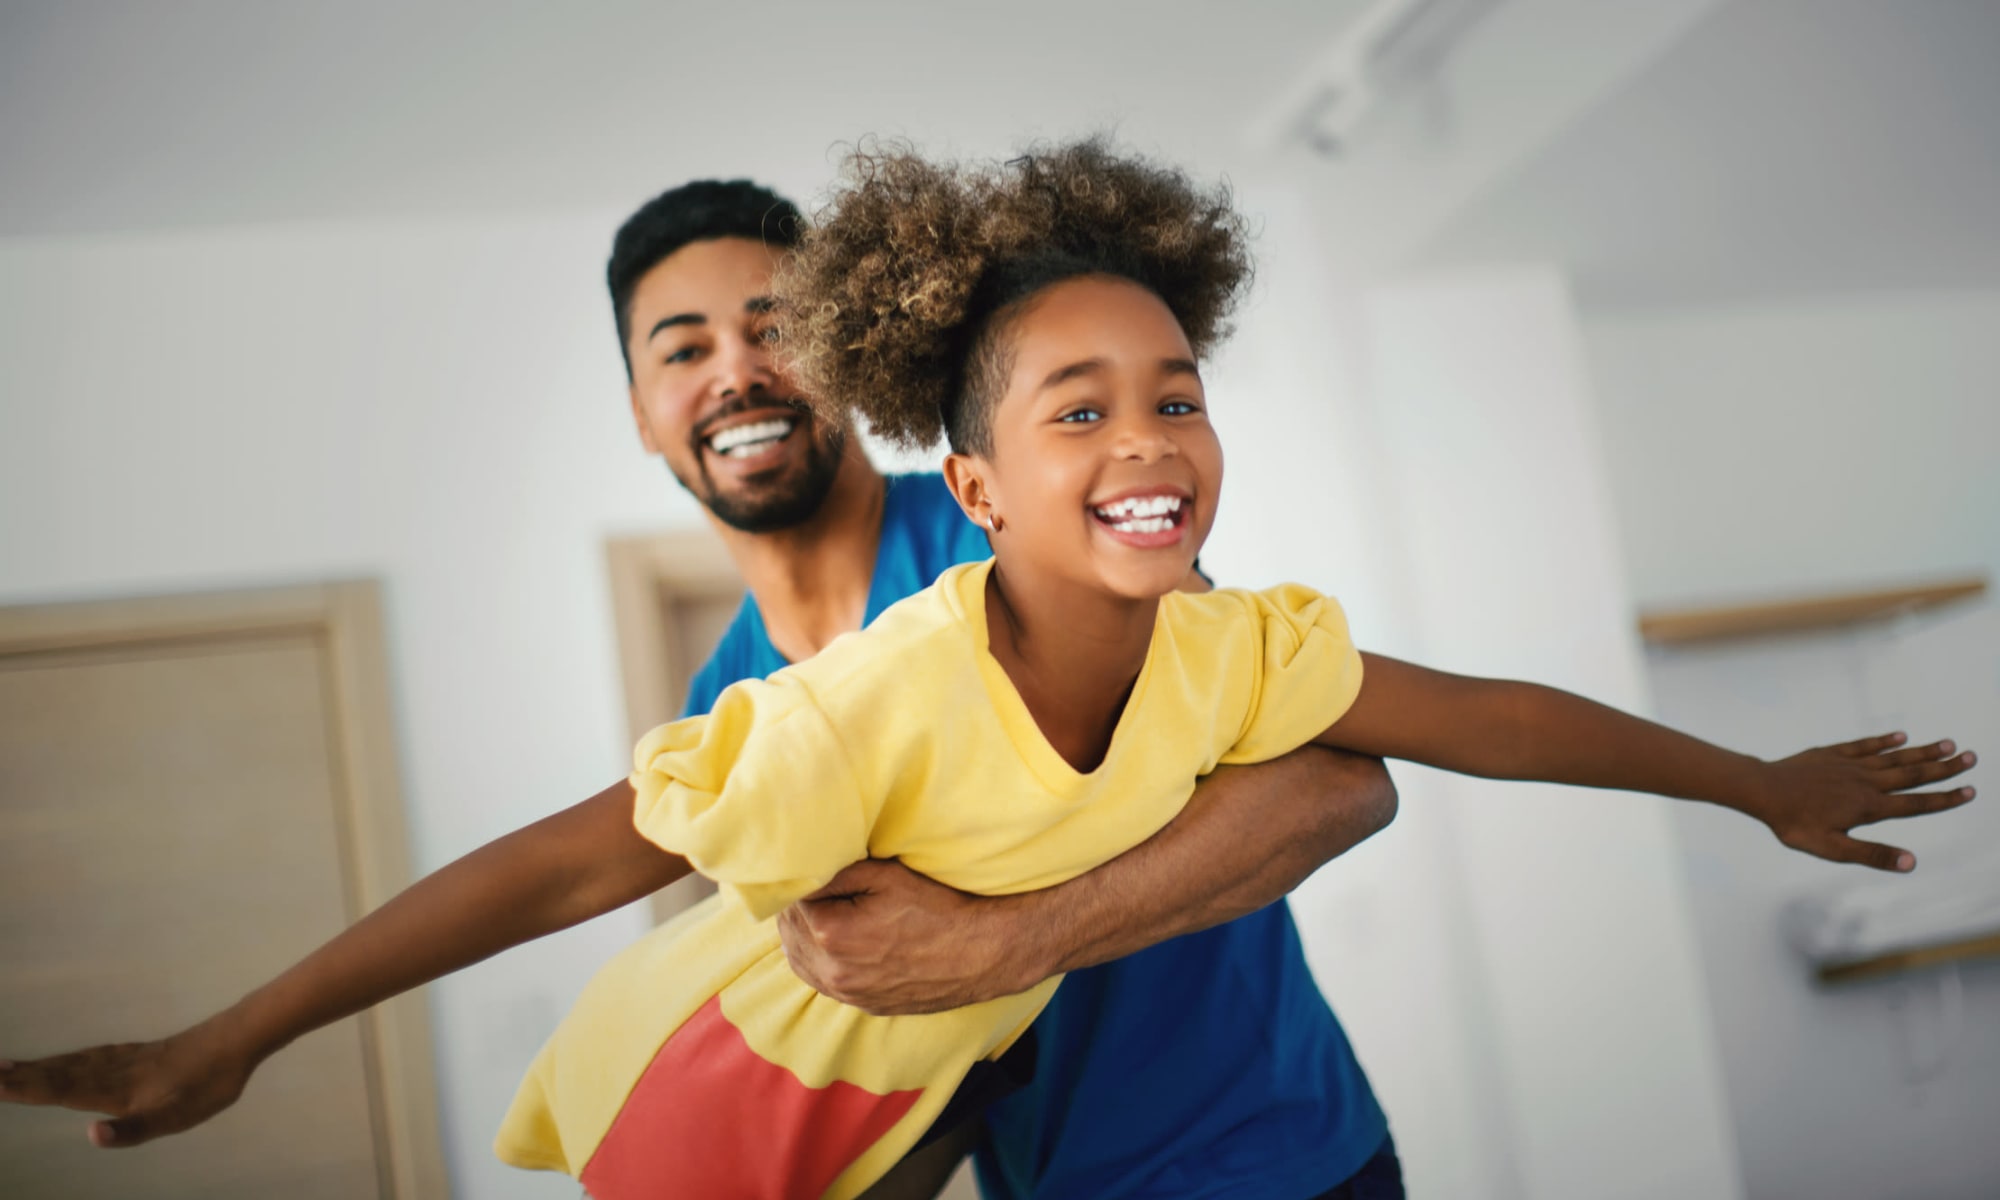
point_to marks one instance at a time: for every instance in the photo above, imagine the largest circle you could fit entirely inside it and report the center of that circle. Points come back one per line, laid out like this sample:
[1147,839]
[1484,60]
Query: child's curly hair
[888,307]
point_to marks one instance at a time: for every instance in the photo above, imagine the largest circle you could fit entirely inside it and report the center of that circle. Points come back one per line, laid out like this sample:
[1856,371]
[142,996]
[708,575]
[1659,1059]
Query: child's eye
[1179,408]
[1080,416]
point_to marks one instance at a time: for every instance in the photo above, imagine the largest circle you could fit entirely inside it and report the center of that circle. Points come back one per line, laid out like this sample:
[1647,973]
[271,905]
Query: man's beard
[794,491]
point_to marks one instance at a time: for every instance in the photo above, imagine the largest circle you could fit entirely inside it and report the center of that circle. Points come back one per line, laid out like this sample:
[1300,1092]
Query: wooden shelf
[1678,627]
[1982,946]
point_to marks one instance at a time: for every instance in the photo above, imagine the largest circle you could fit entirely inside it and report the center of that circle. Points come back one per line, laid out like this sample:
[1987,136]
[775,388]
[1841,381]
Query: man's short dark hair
[693,212]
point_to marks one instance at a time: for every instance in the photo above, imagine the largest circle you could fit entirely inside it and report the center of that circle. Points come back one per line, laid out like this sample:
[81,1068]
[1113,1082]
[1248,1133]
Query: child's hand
[1813,798]
[150,1089]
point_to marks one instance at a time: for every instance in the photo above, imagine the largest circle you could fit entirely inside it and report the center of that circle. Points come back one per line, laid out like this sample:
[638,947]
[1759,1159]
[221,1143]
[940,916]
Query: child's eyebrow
[1074,370]
[1090,366]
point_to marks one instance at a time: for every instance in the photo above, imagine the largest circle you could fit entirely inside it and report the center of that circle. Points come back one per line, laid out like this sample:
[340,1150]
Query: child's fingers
[1915,754]
[1895,779]
[1862,747]
[122,1132]
[84,1081]
[1915,804]
[44,1081]
[1843,849]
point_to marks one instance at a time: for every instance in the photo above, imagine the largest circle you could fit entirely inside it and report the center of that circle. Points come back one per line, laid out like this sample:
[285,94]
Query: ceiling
[134,114]
[1782,147]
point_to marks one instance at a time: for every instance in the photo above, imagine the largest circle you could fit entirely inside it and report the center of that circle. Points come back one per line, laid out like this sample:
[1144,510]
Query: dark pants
[1380,1178]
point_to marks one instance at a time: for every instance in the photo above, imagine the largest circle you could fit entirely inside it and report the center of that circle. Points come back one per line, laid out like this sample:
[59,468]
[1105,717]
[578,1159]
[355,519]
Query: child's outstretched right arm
[582,862]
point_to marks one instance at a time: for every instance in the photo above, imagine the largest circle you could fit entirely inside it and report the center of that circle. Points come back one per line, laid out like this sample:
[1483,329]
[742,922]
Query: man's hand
[149,1089]
[888,940]
[1812,799]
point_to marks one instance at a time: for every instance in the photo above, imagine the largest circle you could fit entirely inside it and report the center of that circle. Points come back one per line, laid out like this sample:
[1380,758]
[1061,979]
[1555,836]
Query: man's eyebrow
[686,318]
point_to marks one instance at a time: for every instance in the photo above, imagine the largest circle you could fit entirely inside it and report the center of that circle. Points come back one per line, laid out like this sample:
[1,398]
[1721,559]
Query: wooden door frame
[649,572]
[345,620]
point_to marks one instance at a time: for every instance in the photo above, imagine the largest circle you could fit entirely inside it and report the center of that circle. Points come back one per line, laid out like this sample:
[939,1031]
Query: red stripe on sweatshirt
[712,1118]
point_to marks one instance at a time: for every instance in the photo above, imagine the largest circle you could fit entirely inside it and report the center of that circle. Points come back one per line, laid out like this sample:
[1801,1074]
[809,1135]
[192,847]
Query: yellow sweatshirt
[696,1063]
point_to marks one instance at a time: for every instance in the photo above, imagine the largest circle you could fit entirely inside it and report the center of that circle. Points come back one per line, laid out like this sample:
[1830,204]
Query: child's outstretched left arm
[1501,729]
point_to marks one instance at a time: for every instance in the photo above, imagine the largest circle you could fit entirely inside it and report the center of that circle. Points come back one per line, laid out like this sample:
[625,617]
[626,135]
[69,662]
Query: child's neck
[1073,654]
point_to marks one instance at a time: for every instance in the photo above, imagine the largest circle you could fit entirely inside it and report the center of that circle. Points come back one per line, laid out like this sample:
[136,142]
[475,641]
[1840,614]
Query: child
[1024,719]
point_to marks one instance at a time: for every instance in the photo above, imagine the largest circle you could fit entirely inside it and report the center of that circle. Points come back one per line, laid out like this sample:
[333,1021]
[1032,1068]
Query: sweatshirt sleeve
[759,795]
[1307,672]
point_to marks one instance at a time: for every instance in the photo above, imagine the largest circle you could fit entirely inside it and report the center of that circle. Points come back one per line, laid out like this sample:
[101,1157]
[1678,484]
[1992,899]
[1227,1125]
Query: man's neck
[811,581]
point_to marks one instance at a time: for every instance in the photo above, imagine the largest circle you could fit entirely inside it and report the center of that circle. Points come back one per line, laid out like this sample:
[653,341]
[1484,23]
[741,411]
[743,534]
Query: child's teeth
[1141,506]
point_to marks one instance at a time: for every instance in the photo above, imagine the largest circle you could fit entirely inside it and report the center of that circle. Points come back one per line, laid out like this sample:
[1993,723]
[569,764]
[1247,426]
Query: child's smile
[1148,518]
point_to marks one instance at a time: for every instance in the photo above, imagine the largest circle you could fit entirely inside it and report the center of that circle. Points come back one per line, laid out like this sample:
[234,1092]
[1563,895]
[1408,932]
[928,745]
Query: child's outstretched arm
[1505,730]
[579,863]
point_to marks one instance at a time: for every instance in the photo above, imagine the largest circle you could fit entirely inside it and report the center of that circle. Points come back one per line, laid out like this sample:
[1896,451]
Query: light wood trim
[646,571]
[1682,626]
[25,629]
[1983,946]
[398,1032]
[345,620]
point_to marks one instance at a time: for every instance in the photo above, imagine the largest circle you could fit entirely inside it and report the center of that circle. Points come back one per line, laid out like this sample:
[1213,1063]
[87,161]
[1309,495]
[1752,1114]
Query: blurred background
[1652,350]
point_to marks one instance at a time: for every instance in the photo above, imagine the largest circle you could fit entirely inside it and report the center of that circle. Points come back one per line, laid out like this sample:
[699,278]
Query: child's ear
[965,476]
[639,419]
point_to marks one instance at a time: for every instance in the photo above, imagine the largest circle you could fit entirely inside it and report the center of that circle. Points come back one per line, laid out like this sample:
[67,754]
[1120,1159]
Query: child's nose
[1147,444]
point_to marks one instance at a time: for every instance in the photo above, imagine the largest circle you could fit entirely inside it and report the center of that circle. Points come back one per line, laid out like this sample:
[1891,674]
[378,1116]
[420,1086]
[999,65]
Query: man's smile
[752,437]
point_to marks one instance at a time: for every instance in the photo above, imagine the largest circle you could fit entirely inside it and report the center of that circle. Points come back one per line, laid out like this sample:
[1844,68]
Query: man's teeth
[1141,514]
[742,441]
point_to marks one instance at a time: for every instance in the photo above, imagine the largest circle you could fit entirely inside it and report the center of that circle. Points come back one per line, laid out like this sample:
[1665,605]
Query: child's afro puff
[885,303]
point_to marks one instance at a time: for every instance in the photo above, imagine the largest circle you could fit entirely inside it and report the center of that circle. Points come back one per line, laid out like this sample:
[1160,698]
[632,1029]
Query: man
[1204,1065]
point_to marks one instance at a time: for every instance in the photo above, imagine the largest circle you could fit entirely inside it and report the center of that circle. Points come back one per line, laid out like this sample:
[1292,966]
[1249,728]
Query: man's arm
[888,940]
[579,863]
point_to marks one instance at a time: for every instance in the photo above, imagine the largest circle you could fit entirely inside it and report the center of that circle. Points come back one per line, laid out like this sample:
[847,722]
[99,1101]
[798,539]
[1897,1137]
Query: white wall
[1573,902]
[1880,1088]
[1793,447]
[440,406]
[1804,445]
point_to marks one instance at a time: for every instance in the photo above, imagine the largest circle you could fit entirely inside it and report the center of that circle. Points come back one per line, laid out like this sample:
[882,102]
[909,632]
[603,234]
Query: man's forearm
[1246,839]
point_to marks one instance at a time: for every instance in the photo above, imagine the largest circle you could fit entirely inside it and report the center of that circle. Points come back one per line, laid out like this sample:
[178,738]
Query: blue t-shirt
[1206,1066]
